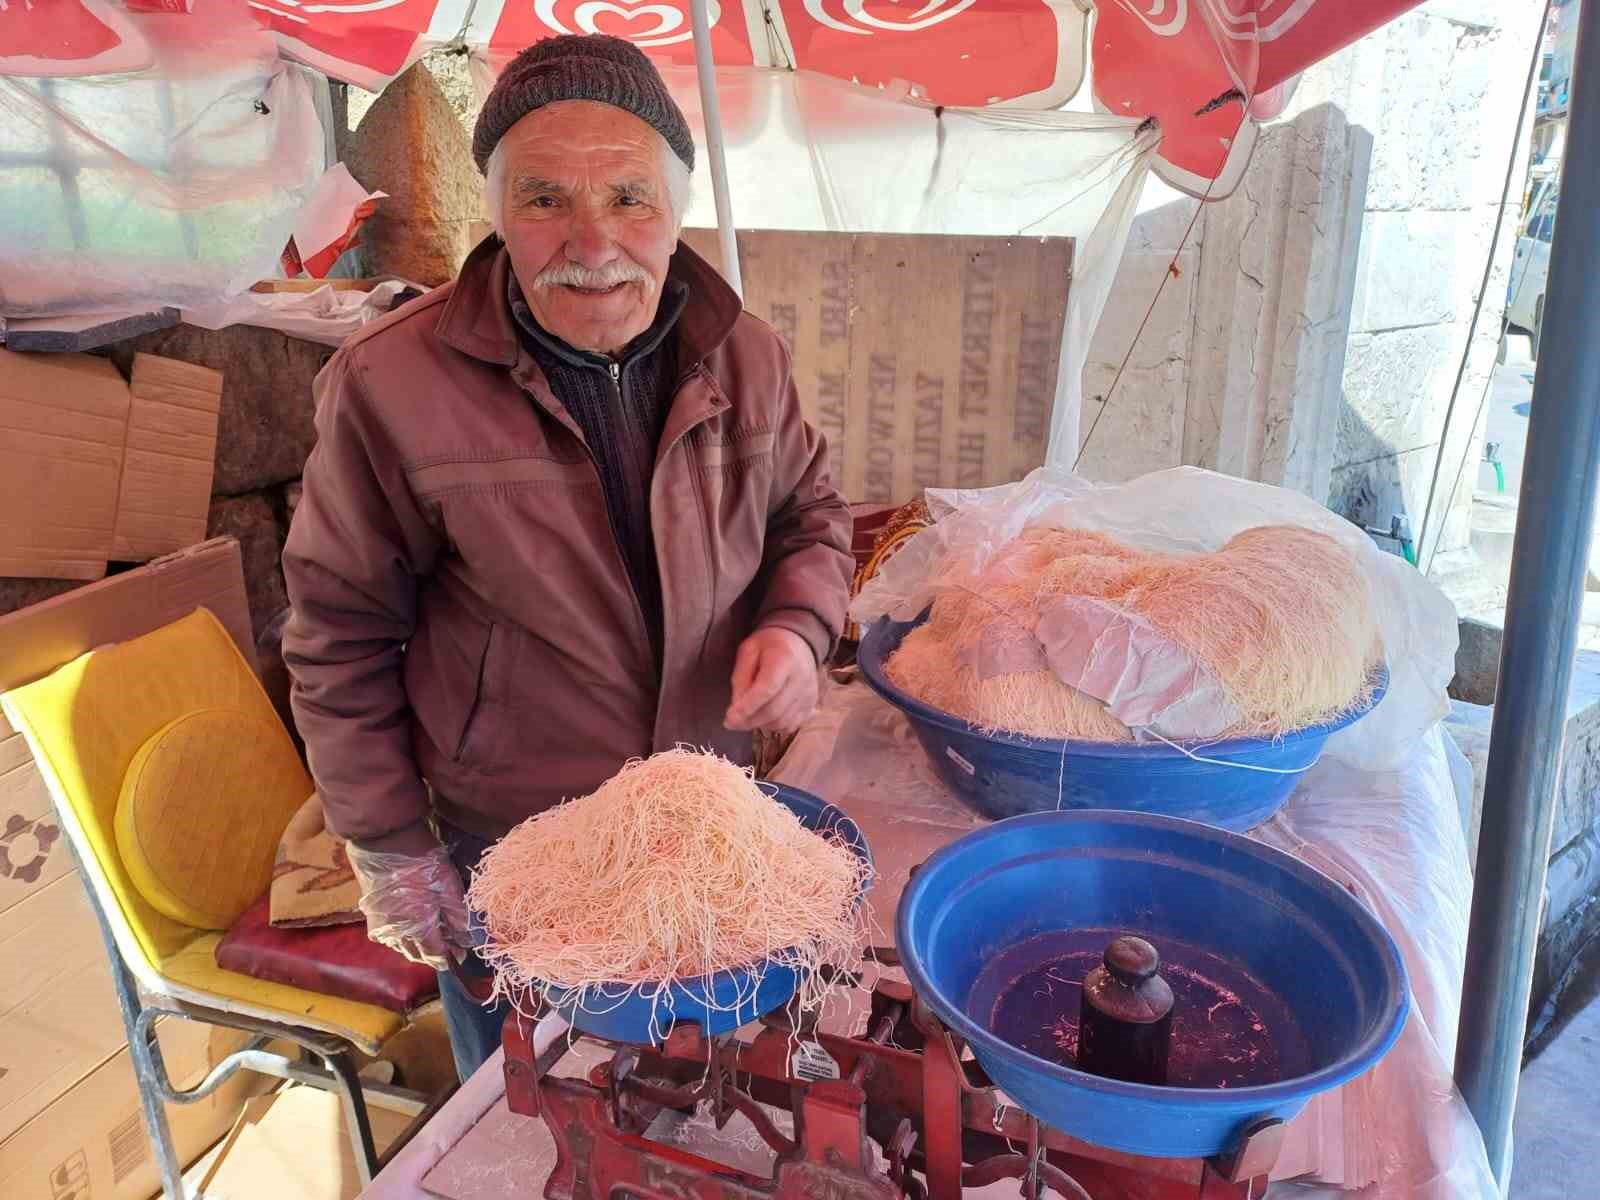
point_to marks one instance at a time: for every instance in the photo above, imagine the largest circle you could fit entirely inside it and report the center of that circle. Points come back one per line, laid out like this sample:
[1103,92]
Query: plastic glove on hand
[414,904]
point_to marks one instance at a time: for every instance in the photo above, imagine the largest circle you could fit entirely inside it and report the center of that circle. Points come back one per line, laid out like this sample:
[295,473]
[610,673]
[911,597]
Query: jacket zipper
[615,369]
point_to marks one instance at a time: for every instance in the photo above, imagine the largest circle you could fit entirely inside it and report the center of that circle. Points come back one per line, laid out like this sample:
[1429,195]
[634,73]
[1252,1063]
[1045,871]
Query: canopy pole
[711,107]
[1555,517]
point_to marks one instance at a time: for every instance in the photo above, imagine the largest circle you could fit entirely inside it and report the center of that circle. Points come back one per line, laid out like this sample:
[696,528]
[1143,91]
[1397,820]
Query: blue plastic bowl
[1331,971]
[1008,774]
[634,1015]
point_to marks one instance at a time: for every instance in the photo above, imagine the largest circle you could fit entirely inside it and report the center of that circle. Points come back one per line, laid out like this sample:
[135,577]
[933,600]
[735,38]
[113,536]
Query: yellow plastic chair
[174,779]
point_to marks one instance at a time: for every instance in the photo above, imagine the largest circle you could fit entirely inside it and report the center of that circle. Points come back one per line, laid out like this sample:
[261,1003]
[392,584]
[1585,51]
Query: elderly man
[562,513]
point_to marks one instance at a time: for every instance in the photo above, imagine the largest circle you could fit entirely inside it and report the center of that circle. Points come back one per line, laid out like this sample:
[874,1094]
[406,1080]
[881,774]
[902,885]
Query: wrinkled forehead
[581,143]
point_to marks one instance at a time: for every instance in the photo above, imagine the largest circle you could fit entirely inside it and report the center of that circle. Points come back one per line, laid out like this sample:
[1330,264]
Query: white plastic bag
[173,185]
[1188,510]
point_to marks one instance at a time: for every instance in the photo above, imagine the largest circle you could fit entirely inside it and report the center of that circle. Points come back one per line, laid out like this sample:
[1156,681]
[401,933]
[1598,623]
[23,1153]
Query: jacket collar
[477,316]
[674,298]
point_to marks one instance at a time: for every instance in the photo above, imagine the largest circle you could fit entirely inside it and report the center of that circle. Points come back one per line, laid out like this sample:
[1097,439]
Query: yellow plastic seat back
[176,726]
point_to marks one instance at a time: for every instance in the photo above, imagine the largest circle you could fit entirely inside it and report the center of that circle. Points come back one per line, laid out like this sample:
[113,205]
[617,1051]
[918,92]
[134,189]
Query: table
[1393,838]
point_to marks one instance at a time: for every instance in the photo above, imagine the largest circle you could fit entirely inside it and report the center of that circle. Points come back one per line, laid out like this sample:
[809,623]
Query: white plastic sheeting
[173,185]
[323,315]
[810,152]
[1392,837]
[1189,510]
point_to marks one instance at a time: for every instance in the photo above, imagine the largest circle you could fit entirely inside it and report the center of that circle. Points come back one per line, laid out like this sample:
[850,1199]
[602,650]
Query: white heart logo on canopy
[1155,17]
[671,27]
[1261,25]
[931,13]
[332,6]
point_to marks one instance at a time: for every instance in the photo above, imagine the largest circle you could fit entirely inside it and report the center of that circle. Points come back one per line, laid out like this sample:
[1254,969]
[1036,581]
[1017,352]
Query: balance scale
[899,1113]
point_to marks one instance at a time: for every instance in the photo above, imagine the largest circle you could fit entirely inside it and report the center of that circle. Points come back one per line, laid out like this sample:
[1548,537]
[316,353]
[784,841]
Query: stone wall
[1315,326]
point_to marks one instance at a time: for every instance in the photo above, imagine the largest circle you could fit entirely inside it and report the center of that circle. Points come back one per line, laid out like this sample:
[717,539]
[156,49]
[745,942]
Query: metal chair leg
[356,1120]
[147,1064]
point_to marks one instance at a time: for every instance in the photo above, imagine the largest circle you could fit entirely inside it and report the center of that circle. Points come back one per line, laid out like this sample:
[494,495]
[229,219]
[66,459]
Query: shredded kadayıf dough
[676,868]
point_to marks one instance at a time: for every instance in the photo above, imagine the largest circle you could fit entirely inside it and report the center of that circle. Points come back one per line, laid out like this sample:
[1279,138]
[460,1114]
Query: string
[1170,273]
[1228,762]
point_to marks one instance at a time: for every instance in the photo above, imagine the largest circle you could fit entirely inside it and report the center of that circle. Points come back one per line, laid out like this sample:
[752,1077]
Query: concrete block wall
[1418,119]
[1571,915]
[1440,90]
[1143,428]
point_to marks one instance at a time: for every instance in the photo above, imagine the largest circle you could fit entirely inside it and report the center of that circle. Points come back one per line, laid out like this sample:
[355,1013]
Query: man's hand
[774,682]
[414,903]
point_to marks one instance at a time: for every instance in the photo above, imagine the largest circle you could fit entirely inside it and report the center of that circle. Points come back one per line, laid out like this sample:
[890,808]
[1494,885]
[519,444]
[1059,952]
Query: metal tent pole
[1554,522]
[711,107]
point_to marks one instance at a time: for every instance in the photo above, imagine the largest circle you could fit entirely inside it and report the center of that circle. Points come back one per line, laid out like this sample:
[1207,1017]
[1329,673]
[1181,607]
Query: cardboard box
[170,455]
[926,360]
[90,1143]
[58,1010]
[58,1013]
[291,1143]
[32,853]
[36,640]
[63,424]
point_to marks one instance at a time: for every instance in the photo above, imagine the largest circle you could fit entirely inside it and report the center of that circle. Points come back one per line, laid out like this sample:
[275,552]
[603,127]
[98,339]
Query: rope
[1169,273]
[1477,309]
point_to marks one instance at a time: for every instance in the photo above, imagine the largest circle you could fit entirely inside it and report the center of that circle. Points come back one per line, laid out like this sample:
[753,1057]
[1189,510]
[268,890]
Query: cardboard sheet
[171,452]
[63,422]
[90,1143]
[36,640]
[926,360]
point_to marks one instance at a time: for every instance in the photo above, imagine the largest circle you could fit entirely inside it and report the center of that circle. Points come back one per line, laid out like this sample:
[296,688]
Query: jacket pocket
[446,667]
[472,726]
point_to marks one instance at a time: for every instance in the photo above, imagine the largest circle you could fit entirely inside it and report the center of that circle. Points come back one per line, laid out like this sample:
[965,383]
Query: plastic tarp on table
[1392,837]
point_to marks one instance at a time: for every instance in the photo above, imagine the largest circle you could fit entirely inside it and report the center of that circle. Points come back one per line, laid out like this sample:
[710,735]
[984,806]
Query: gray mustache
[575,275]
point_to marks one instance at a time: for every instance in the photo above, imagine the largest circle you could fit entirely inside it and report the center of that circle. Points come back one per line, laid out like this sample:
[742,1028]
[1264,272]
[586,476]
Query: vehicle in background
[1531,267]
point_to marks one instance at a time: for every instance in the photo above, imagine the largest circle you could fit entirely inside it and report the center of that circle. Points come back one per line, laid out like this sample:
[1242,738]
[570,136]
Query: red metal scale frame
[941,1126]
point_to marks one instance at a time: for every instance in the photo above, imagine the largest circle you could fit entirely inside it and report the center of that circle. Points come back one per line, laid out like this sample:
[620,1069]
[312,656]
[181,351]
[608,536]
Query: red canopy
[1191,65]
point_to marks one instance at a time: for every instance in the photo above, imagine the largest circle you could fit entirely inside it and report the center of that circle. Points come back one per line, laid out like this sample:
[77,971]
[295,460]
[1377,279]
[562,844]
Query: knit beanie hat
[595,67]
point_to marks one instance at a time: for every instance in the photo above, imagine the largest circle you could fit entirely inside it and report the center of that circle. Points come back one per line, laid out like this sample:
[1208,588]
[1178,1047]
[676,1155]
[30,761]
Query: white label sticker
[959,761]
[811,1063]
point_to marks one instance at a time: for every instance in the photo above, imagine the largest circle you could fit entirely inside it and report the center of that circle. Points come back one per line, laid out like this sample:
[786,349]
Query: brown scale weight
[1125,1018]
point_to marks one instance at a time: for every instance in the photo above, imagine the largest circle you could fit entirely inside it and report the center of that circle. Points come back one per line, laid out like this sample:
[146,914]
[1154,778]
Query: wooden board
[926,360]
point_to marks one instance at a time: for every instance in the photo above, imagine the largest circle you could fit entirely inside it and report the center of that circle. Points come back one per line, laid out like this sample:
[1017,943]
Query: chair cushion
[86,721]
[202,807]
[336,960]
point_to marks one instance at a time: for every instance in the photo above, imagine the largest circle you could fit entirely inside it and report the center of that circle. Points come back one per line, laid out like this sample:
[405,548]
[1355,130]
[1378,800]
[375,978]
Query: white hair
[680,184]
